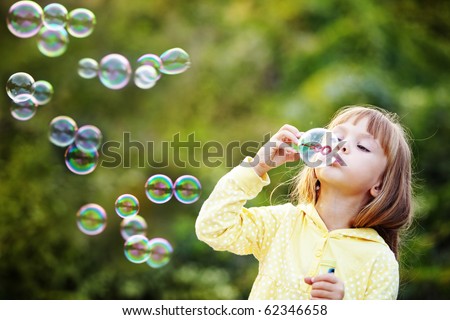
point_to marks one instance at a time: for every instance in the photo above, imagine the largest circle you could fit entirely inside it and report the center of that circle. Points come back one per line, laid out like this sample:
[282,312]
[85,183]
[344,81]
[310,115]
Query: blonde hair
[391,211]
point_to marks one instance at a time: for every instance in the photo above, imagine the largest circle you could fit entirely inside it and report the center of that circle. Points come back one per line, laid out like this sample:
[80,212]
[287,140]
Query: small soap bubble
[137,249]
[115,71]
[24,19]
[175,61]
[160,252]
[132,226]
[24,107]
[52,42]
[145,77]
[55,16]
[152,60]
[81,23]
[87,68]
[315,147]
[42,91]
[187,189]
[127,205]
[62,131]
[159,188]
[80,162]
[88,138]
[91,219]
[18,84]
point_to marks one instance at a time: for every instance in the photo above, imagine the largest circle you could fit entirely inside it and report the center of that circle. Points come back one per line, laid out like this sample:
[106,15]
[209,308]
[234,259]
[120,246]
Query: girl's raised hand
[277,150]
[326,286]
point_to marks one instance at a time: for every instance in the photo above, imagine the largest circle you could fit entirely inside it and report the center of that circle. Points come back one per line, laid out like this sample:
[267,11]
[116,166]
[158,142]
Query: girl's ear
[375,190]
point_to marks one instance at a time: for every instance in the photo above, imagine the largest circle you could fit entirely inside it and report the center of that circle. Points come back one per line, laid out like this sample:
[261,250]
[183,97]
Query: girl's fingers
[293,156]
[285,147]
[279,149]
[323,285]
[328,277]
[321,294]
[292,129]
[286,136]
[326,286]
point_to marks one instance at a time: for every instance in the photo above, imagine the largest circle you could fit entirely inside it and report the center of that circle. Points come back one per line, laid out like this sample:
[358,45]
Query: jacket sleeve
[225,224]
[384,279]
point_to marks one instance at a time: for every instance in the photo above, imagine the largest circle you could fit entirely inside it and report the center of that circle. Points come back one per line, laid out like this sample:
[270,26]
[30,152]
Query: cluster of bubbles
[138,248]
[315,147]
[114,70]
[81,156]
[159,189]
[157,252]
[52,25]
[27,94]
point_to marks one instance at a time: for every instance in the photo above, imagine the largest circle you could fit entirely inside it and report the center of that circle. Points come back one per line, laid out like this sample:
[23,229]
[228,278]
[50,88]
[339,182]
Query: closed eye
[361,147]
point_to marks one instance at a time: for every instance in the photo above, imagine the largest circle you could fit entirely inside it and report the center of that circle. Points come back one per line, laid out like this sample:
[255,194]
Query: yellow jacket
[292,242]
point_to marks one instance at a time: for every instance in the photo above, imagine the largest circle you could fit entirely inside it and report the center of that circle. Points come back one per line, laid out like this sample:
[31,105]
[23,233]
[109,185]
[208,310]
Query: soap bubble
[159,188]
[52,42]
[88,138]
[315,147]
[127,205]
[18,84]
[115,71]
[137,249]
[87,68]
[133,225]
[24,107]
[81,22]
[80,162]
[62,131]
[175,61]
[24,19]
[152,60]
[42,91]
[91,219]
[187,189]
[55,16]
[145,77]
[160,252]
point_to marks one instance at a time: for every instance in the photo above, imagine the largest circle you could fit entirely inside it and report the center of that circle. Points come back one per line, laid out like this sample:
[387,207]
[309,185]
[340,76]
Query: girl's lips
[337,162]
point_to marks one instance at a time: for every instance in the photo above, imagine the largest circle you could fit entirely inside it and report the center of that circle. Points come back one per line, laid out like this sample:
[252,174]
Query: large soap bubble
[316,146]
[52,42]
[115,71]
[175,61]
[24,19]
[18,84]
[55,16]
[91,219]
[62,131]
[81,23]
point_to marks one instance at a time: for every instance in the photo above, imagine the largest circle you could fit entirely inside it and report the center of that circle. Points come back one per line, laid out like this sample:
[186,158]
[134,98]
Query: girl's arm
[384,279]
[225,224]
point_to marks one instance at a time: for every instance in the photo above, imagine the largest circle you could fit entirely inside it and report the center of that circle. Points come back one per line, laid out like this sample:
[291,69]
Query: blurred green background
[255,66]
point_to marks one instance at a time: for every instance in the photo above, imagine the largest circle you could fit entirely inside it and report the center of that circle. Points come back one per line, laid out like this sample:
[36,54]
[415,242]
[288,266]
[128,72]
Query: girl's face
[363,157]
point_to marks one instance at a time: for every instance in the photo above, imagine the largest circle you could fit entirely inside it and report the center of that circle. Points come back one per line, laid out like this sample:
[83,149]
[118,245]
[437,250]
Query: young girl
[341,240]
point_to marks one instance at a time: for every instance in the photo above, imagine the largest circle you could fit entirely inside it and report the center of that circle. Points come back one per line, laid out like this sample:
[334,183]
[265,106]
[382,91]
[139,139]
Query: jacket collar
[368,234]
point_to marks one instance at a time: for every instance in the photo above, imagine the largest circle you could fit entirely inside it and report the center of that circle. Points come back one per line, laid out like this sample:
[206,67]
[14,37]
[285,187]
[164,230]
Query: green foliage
[255,66]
